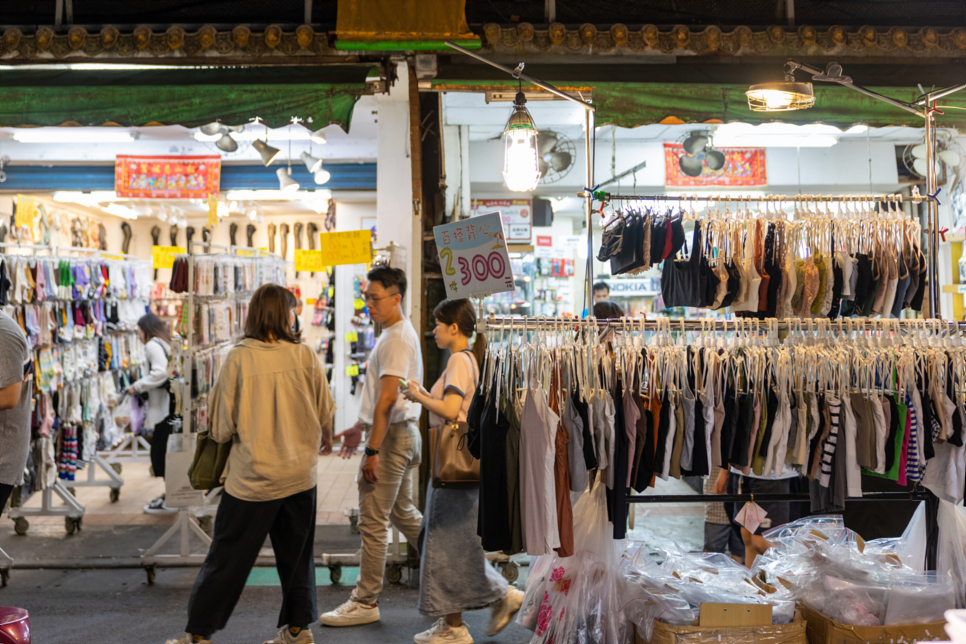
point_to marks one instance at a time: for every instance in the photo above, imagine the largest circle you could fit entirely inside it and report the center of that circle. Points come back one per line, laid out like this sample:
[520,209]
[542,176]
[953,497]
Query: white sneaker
[187,639]
[285,637]
[351,613]
[157,506]
[443,633]
[502,613]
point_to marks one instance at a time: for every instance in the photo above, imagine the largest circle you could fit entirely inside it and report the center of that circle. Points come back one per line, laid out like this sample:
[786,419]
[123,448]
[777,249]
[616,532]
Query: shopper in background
[156,338]
[721,533]
[454,575]
[16,368]
[777,512]
[272,401]
[393,445]
[601,292]
[296,305]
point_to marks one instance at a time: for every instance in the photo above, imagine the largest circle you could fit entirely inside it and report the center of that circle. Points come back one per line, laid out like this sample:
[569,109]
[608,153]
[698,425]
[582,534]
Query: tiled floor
[337,493]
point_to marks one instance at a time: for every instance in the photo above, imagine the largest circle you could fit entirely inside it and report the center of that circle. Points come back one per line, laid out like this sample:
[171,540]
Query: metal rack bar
[738,498]
[741,324]
[697,198]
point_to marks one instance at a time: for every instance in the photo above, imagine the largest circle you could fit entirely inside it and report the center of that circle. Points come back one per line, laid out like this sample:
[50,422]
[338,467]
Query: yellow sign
[213,210]
[331,291]
[246,252]
[25,211]
[119,258]
[359,304]
[351,336]
[163,256]
[310,301]
[353,247]
[352,370]
[309,261]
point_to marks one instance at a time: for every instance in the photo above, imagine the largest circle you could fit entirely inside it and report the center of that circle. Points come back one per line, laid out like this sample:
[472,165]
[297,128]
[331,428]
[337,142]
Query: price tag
[331,291]
[309,261]
[310,301]
[213,210]
[118,258]
[358,304]
[352,370]
[244,252]
[351,336]
[163,256]
[25,211]
[353,247]
[474,258]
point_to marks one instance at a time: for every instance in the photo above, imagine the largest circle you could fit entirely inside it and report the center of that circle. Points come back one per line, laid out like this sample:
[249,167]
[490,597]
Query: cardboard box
[825,630]
[791,633]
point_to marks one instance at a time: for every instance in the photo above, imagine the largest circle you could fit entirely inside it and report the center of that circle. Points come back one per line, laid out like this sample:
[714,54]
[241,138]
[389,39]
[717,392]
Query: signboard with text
[163,256]
[473,257]
[167,177]
[517,216]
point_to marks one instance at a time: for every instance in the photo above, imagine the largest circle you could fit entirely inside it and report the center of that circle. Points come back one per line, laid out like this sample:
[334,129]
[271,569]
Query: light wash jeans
[389,500]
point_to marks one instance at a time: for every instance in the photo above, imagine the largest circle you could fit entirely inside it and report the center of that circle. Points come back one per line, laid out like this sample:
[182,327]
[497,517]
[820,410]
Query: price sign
[353,247]
[309,261]
[473,256]
[351,336]
[163,256]
[358,304]
[331,291]
[25,211]
[119,258]
[310,301]
[352,370]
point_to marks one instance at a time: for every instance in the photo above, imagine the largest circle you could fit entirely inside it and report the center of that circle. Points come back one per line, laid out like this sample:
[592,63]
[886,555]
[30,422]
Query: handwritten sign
[358,304]
[308,260]
[473,256]
[353,247]
[247,252]
[352,370]
[119,258]
[351,336]
[25,211]
[310,301]
[163,256]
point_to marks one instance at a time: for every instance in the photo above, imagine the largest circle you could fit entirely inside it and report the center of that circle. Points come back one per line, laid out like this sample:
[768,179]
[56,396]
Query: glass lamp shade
[521,162]
[781,96]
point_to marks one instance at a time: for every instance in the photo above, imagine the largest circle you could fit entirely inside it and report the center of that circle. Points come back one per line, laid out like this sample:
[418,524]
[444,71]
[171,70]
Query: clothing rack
[933,229]
[621,494]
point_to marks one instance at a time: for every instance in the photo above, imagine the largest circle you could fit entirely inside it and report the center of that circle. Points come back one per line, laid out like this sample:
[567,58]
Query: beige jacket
[272,401]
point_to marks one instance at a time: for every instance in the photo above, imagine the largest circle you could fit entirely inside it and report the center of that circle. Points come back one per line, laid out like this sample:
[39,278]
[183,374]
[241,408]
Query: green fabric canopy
[317,96]
[634,104]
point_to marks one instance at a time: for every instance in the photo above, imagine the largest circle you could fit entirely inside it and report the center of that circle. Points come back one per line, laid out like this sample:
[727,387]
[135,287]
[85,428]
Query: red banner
[166,177]
[743,167]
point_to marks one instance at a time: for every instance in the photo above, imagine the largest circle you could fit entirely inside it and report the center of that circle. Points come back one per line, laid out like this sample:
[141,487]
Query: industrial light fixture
[226,144]
[312,164]
[317,137]
[780,96]
[121,211]
[285,181]
[521,169]
[265,151]
[322,176]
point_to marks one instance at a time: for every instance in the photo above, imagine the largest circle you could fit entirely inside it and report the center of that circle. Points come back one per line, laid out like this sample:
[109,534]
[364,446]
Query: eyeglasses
[369,299]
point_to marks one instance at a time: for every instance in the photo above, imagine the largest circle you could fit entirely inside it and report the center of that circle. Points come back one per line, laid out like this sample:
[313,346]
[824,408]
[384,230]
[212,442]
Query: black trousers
[240,531]
[5,491]
[159,447]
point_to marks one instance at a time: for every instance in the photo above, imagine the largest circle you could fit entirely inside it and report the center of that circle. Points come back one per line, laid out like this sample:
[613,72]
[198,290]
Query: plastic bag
[919,598]
[911,548]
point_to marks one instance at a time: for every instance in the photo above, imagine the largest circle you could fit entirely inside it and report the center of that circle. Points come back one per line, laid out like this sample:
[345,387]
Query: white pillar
[394,207]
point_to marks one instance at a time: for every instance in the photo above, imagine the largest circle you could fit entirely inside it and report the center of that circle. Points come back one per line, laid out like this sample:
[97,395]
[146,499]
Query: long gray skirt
[454,575]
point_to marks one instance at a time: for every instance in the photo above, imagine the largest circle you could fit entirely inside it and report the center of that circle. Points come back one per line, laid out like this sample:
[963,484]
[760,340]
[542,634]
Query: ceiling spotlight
[312,164]
[233,206]
[226,143]
[317,137]
[252,214]
[260,219]
[212,129]
[182,223]
[285,181]
[322,176]
[783,96]
[265,151]
[162,216]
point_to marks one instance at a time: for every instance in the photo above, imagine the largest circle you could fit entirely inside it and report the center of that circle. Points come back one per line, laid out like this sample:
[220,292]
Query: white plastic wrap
[951,550]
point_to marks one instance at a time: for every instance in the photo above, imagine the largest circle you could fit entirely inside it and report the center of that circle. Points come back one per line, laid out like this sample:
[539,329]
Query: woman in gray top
[16,370]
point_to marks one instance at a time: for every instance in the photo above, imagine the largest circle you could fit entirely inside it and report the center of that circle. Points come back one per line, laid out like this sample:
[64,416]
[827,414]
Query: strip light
[72,135]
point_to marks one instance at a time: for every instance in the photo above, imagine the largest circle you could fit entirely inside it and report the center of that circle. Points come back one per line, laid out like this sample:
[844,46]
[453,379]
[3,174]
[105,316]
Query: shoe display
[173,233]
[283,238]
[251,235]
[443,633]
[186,638]
[285,637]
[102,233]
[351,613]
[157,506]
[312,232]
[232,231]
[271,238]
[298,239]
[502,613]
[190,234]
[126,241]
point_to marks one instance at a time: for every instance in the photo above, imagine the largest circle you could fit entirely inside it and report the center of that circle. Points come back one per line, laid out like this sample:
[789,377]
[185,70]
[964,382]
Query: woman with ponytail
[454,575]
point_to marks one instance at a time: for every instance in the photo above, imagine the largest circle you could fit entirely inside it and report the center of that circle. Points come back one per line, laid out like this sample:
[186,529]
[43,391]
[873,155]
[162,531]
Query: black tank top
[683,282]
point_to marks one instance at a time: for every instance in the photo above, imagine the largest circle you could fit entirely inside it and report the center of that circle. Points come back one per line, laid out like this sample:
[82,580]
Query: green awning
[317,96]
[634,104]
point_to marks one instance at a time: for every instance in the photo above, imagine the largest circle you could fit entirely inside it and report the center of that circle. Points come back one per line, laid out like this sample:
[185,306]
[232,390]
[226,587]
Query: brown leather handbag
[453,465]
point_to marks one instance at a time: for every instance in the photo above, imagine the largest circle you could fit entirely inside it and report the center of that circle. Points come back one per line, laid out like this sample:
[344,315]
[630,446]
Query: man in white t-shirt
[393,445]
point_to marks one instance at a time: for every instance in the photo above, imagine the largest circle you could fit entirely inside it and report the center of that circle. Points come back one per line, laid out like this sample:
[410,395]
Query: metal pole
[588,207]
[933,210]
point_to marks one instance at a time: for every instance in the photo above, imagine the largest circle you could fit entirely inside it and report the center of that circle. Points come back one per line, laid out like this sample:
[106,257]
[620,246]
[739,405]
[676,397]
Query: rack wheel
[116,467]
[115,494]
[4,577]
[21,525]
[335,573]
[394,574]
[152,571]
[72,524]
[511,571]
[204,522]
[354,524]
